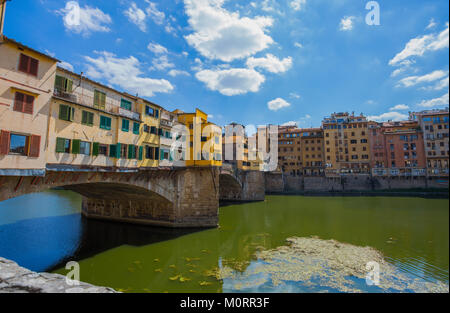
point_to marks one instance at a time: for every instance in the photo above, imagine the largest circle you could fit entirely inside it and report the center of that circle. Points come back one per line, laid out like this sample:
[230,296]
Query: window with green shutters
[131,152]
[125,125]
[113,151]
[95,148]
[99,99]
[63,84]
[66,113]
[76,146]
[62,145]
[141,153]
[125,104]
[136,127]
[87,118]
[105,122]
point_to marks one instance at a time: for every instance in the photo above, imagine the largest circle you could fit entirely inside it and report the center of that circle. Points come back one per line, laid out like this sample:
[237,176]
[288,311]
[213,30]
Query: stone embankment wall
[16,279]
[276,183]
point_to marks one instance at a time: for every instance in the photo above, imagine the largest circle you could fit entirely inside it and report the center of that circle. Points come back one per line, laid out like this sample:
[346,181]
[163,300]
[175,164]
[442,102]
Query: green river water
[412,234]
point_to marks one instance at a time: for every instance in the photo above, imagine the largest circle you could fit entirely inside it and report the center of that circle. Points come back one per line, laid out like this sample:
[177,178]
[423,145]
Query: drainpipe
[2,15]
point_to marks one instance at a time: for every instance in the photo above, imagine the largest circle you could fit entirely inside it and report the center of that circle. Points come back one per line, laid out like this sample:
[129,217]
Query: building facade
[26,87]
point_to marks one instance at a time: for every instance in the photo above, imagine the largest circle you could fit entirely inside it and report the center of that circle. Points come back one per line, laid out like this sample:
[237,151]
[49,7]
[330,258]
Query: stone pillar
[253,186]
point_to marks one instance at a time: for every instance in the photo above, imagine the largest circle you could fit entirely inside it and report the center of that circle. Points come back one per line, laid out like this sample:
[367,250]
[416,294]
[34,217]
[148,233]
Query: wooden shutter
[141,153]
[35,145]
[23,63]
[63,112]
[84,117]
[96,98]
[95,148]
[119,150]
[69,85]
[91,118]
[102,100]
[60,145]
[28,104]
[5,138]
[130,151]
[19,102]
[76,146]
[34,66]
[112,151]
[59,83]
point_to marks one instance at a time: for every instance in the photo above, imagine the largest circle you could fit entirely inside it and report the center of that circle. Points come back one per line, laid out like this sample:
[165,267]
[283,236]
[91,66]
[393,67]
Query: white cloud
[290,123]
[157,48]
[414,80]
[157,16]
[231,82]
[442,84]
[441,101]
[346,23]
[297,5]
[389,116]
[278,104]
[298,45]
[175,73]
[418,46]
[162,63]
[223,35]
[432,24]
[126,74]
[270,63]
[66,65]
[90,19]
[294,95]
[136,16]
[399,107]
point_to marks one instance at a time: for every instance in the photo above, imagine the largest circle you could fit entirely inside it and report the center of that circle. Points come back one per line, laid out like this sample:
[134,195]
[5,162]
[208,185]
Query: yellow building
[26,84]
[91,125]
[150,133]
[346,144]
[204,137]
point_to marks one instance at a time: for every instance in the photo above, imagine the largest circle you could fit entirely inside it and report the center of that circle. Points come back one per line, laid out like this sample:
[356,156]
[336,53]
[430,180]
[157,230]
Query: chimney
[2,15]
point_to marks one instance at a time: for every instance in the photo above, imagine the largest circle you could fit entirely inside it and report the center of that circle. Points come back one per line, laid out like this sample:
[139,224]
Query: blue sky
[252,62]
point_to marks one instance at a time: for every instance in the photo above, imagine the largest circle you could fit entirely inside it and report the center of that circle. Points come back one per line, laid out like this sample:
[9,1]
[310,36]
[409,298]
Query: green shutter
[136,127]
[119,148]
[71,114]
[76,146]
[95,147]
[84,117]
[69,85]
[125,125]
[161,154]
[59,83]
[63,112]
[91,118]
[141,153]
[170,156]
[131,152]
[60,144]
[112,151]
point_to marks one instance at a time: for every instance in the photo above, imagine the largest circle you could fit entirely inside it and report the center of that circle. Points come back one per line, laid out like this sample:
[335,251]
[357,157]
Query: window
[125,104]
[28,65]
[85,148]
[63,84]
[18,144]
[103,150]
[132,151]
[66,112]
[146,128]
[63,145]
[149,153]
[105,122]
[23,103]
[99,99]
[153,130]
[149,110]
[87,118]
[125,125]
[136,127]
[123,151]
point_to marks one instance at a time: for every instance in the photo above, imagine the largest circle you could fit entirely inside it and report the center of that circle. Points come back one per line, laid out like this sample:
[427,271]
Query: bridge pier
[242,186]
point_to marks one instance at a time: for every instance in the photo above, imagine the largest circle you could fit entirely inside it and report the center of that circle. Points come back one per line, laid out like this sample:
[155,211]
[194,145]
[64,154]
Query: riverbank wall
[277,183]
[17,279]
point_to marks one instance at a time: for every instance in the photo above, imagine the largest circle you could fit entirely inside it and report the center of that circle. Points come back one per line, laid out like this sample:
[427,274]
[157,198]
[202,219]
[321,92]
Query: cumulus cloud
[84,20]
[278,104]
[442,84]
[441,101]
[346,23]
[136,16]
[161,63]
[389,116]
[298,45]
[294,95]
[175,73]
[420,45]
[414,80]
[431,24]
[157,48]
[297,5]
[270,63]
[223,35]
[399,107]
[231,82]
[152,11]
[126,74]
[290,123]
[66,65]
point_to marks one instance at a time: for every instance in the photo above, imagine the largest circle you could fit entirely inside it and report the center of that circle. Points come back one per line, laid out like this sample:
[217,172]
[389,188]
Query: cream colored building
[26,88]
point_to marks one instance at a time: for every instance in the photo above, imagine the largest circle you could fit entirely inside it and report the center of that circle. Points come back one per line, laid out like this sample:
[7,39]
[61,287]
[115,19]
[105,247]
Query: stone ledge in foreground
[16,279]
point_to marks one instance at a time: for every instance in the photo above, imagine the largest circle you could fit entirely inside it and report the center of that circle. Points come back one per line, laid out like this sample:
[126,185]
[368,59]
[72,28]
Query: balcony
[166,122]
[65,95]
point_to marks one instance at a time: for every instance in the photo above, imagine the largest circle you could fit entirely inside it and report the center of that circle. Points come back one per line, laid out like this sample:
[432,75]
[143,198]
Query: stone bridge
[185,197]
[177,197]
[238,185]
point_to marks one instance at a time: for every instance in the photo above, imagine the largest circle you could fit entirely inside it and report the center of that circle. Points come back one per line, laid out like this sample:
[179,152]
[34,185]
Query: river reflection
[45,230]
